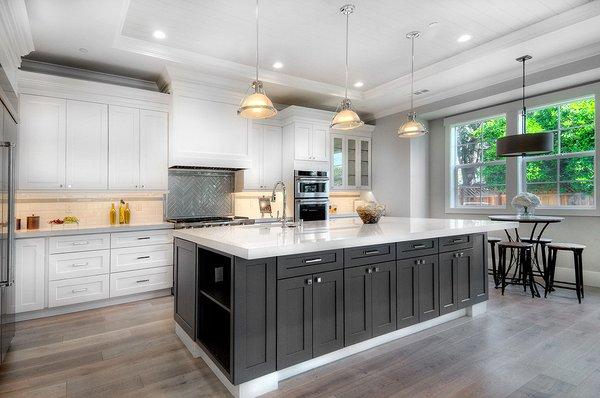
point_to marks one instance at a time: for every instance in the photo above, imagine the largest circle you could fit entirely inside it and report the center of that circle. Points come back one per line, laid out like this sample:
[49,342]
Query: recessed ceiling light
[277,65]
[83,50]
[432,24]
[464,38]
[358,84]
[159,34]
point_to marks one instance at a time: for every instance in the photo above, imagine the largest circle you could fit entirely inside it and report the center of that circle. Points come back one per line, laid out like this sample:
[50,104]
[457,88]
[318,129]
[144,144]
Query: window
[479,176]
[565,178]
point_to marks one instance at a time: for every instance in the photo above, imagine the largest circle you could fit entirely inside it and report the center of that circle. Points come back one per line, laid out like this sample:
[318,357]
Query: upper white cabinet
[265,153]
[138,148]
[87,145]
[311,141]
[41,142]
[350,162]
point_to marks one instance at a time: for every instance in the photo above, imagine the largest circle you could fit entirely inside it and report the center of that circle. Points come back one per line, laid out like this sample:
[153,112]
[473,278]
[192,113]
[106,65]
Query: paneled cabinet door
[294,320]
[303,141]
[408,292]
[479,267]
[153,149]
[429,306]
[41,142]
[271,154]
[320,143]
[358,321]
[87,145]
[328,312]
[253,175]
[30,274]
[448,269]
[383,290]
[184,285]
[124,147]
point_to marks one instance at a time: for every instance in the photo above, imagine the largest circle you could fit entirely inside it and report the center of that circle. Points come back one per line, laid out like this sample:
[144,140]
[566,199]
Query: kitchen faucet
[274,196]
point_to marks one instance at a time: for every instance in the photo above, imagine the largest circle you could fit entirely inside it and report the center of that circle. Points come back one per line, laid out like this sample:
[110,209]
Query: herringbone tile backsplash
[200,193]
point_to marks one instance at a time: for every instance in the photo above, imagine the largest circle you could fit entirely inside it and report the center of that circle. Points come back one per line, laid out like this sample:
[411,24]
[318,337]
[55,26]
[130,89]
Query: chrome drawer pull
[79,290]
[83,242]
[367,252]
[456,240]
[143,280]
[314,260]
[143,238]
[79,264]
[143,257]
[421,246]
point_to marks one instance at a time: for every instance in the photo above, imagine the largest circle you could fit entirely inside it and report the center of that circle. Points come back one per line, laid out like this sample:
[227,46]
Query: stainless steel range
[205,222]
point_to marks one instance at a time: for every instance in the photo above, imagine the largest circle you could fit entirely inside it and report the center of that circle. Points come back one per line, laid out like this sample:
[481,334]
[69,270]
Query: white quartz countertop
[70,229]
[260,241]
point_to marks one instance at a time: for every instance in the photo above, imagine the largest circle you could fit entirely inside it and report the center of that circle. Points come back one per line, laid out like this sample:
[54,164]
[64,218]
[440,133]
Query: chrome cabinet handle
[369,270]
[81,243]
[309,281]
[143,257]
[419,262]
[79,264]
[313,260]
[142,281]
[368,252]
[459,255]
[143,238]
[376,269]
[420,246]
[79,290]
[319,279]
[457,240]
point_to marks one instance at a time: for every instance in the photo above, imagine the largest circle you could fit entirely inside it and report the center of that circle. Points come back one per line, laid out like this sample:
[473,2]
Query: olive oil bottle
[127,214]
[122,212]
[113,214]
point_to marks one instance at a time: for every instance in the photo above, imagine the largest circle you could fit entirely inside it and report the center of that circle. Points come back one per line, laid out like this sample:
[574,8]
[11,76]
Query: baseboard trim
[67,309]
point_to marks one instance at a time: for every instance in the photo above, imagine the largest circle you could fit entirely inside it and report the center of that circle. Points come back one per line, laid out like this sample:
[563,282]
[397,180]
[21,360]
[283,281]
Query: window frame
[560,156]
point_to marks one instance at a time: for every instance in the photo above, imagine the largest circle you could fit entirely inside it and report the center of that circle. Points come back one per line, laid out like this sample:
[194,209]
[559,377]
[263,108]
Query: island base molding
[270,382]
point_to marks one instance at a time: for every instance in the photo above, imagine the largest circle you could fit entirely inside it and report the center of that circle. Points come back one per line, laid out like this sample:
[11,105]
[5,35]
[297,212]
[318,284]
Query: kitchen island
[261,303]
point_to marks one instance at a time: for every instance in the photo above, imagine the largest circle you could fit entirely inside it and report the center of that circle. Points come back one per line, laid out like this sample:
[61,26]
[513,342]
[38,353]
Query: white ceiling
[218,37]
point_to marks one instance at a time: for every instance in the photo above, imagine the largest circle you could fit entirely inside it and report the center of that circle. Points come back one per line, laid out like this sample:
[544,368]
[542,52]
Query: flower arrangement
[526,203]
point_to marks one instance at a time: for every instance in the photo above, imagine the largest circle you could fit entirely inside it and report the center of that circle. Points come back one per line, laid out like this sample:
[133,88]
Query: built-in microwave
[311,184]
[311,209]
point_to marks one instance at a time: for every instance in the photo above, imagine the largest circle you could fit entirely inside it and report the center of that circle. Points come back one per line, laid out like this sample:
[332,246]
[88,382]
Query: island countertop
[270,240]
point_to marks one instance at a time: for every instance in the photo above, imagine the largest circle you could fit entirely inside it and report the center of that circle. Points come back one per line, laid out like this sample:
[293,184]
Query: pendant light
[524,144]
[345,117]
[412,127]
[257,105]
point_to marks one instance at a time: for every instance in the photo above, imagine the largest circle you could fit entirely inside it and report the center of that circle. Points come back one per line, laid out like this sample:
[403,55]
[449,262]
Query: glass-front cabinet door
[350,162]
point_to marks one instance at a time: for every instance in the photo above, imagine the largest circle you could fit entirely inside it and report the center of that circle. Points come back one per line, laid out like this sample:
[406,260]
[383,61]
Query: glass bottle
[121,212]
[127,214]
[113,214]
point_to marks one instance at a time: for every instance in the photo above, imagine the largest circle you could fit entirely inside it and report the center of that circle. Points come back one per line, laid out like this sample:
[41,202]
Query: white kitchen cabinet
[311,142]
[265,152]
[10,127]
[78,290]
[86,145]
[320,143]
[139,281]
[124,153]
[30,274]
[41,142]
[153,149]
[350,162]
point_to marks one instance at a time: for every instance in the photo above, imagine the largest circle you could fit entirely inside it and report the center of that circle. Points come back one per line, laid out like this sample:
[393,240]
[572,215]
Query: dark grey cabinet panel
[429,289]
[479,267]
[369,255]
[294,320]
[328,312]
[449,263]
[463,278]
[309,263]
[254,313]
[184,286]
[383,291]
[358,324]
[417,248]
[407,277]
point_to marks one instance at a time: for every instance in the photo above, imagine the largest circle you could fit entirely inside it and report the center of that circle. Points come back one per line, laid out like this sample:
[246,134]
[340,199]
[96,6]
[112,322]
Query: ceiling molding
[15,37]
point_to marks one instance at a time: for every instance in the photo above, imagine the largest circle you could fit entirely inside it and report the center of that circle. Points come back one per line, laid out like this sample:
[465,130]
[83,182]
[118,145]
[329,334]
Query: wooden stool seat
[515,244]
[493,239]
[534,240]
[566,246]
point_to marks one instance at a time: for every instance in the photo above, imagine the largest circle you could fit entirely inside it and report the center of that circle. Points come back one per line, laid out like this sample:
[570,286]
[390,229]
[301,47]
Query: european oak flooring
[522,347]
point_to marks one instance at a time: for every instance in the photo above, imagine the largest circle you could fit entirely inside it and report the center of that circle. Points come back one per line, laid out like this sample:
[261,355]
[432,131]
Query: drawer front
[459,242]
[78,243]
[133,258]
[131,282]
[369,254]
[309,263]
[141,238]
[77,290]
[417,248]
[75,265]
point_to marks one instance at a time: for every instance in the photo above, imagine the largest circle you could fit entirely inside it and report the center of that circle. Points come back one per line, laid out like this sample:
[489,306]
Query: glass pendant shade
[412,128]
[257,105]
[346,118]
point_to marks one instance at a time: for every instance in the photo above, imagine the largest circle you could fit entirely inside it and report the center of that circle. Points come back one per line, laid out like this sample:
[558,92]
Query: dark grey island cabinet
[254,317]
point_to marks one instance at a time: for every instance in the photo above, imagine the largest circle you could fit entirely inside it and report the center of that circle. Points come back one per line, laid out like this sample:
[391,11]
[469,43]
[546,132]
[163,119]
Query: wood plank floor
[521,347]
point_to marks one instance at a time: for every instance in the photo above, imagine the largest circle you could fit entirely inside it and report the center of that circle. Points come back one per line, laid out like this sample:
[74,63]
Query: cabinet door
[383,288]
[253,175]
[358,321]
[320,143]
[337,163]
[294,321]
[153,150]
[464,280]
[407,292]
[303,141]
[184,285]
[254,315]
[10,127]
[428,289]
[42,142]
[479,267]
[271,161]
[351,159]
[30,274]
[448,269]
[87,145]
[328,312]
[124,147]
[364,167]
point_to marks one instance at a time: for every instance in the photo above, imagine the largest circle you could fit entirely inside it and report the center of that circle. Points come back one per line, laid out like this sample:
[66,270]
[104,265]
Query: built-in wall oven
[311,195]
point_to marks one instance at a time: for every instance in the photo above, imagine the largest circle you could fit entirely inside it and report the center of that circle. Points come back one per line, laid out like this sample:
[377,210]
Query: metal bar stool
[524,250]
[577,249]
[492,240]
[540,243]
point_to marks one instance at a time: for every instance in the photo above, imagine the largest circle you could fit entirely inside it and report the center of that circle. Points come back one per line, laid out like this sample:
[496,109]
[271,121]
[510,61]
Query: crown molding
[15,37]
